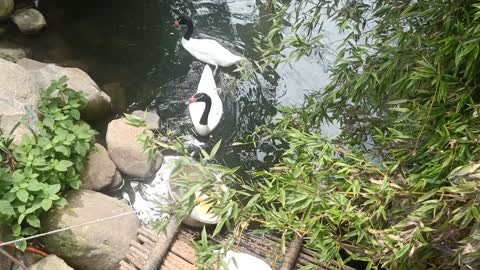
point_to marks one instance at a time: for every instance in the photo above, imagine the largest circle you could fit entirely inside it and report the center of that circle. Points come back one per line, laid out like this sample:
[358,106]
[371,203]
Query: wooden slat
[140,247]
[138,263]
[184,250]
[148,234]
[126,266]
[173,259]
[146,241]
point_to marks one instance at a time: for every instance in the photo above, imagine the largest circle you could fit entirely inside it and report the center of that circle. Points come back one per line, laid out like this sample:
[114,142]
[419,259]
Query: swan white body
[244,262]
[210,51]
[196,109]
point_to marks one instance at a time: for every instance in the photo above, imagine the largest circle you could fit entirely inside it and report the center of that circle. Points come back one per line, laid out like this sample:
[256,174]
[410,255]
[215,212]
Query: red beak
[176,24]
[192,99]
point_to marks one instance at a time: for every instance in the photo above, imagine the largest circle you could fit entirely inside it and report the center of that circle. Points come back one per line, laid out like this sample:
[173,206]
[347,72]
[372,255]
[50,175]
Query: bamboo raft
[173,250]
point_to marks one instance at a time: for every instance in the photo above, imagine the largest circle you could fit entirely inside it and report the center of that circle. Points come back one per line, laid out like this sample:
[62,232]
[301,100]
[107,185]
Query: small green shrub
[47,163]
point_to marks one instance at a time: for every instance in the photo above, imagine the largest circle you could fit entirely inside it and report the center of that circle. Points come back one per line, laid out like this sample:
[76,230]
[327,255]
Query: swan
[205,106]
[244,261]
[206,50]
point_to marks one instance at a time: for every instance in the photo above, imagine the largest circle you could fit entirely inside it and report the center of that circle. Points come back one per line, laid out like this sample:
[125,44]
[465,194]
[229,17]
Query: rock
[51,262]
[96,246]
[16,82]
[30,64]
[151,119]
[6,9]
[127,152]
[99,169]
[18,99]
[5,264]
[98,102]
[3,30]
[11,52]
[29,21]
[28,259]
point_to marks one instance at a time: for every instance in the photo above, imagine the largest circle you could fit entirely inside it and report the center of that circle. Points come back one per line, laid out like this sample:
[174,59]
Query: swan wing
[216,111]
[210,52]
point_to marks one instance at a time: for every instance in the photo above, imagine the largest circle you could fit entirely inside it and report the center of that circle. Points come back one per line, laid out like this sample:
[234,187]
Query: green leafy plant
[46,163]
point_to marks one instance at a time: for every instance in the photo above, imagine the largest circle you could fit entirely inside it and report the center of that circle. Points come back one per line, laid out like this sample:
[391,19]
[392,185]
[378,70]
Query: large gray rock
[6,9]
[19,96]
[11,52]
[99,170]
[96,246]
[29,21]
[98,102]
[51,262]
[17,82]
[151,119]
[127,152]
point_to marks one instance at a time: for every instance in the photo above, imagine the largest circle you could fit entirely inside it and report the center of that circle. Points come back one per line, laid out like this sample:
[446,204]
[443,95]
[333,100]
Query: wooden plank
[148,234]
[140,247]
[184,250]
[137,262]
[173,259]
[127,266]
[146,242]
[137,253]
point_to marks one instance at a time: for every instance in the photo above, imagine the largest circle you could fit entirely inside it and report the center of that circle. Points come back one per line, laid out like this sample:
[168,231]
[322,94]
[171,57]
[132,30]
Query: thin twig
[19,263]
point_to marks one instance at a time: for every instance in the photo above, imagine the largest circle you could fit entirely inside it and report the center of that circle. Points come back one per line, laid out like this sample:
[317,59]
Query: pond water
[133,52]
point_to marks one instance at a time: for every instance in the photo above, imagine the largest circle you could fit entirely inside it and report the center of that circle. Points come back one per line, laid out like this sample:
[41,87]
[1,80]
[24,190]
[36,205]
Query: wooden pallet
[174,250]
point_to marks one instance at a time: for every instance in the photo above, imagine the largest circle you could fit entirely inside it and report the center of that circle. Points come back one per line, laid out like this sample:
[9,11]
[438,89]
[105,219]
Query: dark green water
[134,54]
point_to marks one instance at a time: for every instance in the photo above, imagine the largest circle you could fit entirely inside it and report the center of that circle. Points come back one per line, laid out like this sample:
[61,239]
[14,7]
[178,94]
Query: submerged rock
[29,21]
[151,119]
[6,9]
[99,170]
[118,94]
[127,151]
[98,102]
[51,262]
[97,246]
[11,52]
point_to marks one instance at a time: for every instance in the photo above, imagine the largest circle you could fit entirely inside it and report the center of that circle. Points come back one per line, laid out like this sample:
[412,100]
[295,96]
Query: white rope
[65,229]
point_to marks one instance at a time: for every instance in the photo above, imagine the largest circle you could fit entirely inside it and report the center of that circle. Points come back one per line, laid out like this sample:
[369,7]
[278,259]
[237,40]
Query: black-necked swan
[205,106]
[206,50]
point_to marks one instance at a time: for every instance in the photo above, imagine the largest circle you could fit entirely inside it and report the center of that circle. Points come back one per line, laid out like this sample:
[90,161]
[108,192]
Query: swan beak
[192,100]
[176,24]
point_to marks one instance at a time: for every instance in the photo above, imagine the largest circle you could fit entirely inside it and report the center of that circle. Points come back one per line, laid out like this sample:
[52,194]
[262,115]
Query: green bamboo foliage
[400,187]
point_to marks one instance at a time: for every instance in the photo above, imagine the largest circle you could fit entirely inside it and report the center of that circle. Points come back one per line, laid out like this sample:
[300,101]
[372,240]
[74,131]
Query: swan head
[199,97]
[182,20]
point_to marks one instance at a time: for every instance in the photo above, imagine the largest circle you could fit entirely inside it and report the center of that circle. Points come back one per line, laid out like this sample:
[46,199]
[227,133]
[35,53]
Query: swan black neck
[189,25]
[206,112]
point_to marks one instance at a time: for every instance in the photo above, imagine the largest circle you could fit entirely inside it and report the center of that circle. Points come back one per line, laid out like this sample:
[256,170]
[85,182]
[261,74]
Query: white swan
[244,261]
[205,106]
[206,50]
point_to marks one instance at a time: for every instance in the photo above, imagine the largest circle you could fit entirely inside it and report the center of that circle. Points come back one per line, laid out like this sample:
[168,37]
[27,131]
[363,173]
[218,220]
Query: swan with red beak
[206,50]
[205,107]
